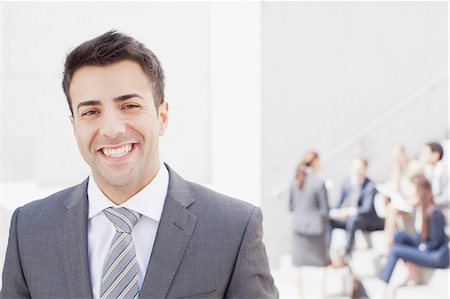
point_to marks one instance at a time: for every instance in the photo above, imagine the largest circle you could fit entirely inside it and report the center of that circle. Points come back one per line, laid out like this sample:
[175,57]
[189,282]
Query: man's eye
[130,106]
[89,112]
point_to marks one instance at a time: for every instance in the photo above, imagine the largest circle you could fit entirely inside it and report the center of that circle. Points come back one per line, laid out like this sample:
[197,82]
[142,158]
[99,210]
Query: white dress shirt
[438,177]
[149,202]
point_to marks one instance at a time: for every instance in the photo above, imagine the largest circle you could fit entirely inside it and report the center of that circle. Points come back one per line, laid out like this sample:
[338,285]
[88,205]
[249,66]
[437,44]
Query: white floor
[366,265]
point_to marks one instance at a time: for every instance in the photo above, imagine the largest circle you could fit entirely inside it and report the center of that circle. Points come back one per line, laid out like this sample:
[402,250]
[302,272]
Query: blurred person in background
[436,171]
[429,246]
[355,207]
[399,212]
[309,203]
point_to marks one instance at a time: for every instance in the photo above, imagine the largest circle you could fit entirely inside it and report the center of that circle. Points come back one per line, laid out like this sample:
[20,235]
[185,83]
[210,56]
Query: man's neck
[434,163]
[356,180]
[120,194]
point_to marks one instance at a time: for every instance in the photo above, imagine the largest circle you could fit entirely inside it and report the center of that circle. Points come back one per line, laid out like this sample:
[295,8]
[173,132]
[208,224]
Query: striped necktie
[120,275]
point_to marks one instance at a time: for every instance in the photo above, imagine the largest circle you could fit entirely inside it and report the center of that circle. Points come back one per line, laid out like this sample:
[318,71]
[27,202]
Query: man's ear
[163,116]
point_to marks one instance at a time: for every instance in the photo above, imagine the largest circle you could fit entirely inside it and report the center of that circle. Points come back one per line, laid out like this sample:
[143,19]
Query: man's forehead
[117,79]
[426,149]
[115,67]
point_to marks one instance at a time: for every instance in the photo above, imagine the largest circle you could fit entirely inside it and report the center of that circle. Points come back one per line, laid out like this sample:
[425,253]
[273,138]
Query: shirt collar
[355,183]
[148,202]
[433,171]
[439,168]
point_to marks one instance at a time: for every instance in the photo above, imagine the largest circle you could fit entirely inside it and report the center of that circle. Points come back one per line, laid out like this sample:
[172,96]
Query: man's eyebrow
[126,97]
[88,103]
[116,99]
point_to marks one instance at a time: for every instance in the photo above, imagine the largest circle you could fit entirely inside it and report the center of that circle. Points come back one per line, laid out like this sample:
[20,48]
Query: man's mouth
[117,152]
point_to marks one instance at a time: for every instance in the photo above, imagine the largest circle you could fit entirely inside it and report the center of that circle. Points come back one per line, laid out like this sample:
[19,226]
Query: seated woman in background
[427,248]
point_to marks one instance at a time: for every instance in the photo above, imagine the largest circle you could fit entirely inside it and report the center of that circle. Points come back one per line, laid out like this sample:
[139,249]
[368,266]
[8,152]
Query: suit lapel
[174,232]
[362,192]
[72,232]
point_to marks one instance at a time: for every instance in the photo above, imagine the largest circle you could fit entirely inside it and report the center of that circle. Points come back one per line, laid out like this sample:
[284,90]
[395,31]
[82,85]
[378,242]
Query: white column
[235,39]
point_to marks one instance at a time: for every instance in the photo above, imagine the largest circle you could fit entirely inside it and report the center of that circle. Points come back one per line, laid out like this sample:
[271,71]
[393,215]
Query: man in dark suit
[134,227]
[355,207]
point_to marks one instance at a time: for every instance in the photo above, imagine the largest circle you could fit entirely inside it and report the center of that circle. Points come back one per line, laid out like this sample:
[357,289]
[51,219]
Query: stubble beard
[121,178]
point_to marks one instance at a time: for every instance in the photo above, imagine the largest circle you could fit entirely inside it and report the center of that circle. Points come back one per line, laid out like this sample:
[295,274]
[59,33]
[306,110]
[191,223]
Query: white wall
[236,99]
[38,144]
[212,73]
[330,69]
[212,70]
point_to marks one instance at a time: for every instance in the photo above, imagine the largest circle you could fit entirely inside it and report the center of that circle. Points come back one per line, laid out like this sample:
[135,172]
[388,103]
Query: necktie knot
[123,219]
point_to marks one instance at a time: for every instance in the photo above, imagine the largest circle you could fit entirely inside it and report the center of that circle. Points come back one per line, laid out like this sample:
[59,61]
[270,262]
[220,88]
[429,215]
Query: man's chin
[121,180]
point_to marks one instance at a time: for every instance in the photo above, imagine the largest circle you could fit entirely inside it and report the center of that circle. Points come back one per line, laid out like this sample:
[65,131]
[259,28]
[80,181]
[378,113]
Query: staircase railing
[361,133]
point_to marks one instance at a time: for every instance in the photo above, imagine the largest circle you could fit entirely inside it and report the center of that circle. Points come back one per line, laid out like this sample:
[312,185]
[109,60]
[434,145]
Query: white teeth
[117,152]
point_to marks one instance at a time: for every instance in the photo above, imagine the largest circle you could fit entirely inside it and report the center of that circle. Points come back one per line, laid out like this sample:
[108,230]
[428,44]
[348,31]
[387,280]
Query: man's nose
[112,125]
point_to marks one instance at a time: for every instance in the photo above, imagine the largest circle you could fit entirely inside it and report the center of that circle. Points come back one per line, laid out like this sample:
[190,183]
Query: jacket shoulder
[316,180]
[215,204]
[48,208]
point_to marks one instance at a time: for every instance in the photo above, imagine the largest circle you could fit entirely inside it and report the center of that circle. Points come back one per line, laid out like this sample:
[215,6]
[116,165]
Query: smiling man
[133,228]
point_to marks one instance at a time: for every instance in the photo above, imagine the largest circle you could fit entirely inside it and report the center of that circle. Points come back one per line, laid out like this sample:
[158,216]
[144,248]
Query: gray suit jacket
[310,206]
[207,245]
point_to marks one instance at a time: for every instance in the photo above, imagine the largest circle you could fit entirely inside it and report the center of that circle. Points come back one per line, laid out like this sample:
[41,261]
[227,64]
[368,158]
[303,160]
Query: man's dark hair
[436,148]
[109,48]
